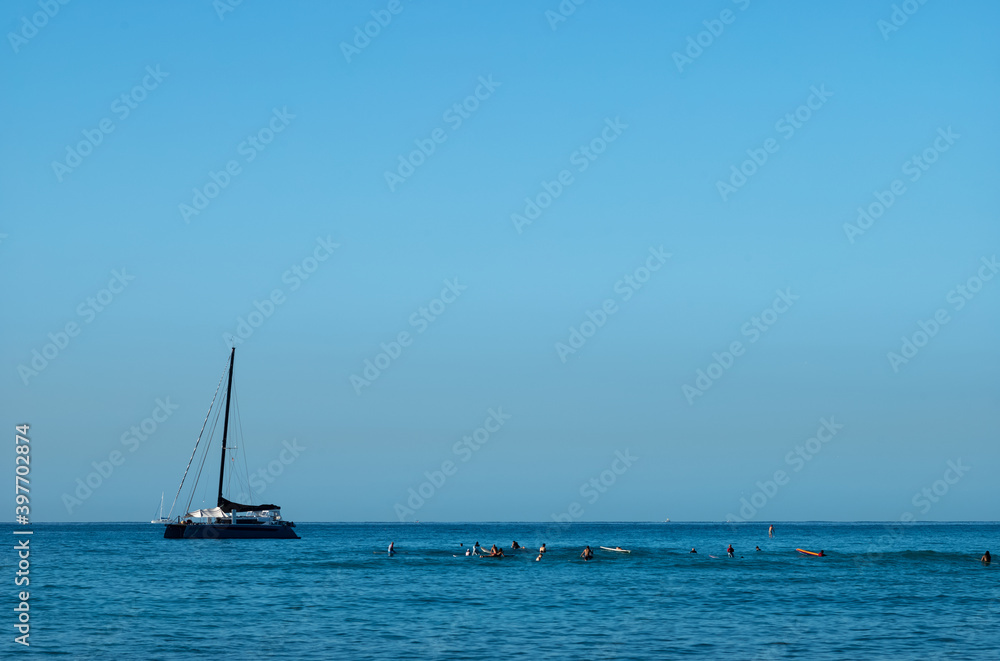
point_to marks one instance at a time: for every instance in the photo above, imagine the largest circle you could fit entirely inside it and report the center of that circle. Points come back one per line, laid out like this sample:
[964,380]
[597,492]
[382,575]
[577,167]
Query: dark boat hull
[228,531]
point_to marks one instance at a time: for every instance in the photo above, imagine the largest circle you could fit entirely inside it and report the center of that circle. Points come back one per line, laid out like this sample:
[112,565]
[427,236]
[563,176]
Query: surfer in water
[757,549]
[541,551]
[514,545]
[986,559]
[495,552]
[692,550]
[392,548]
[477,550]
[587,553]
[770,531]
[730,551]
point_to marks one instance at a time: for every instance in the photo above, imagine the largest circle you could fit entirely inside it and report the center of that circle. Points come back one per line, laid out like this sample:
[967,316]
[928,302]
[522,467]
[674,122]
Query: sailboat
[228,519]
[162,518]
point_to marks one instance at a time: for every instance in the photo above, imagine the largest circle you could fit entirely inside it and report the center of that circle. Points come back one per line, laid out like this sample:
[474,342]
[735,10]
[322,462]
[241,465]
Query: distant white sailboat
[162,518]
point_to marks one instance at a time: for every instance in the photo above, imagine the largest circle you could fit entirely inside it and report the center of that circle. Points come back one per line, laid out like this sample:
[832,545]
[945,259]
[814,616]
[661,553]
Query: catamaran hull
[228,531]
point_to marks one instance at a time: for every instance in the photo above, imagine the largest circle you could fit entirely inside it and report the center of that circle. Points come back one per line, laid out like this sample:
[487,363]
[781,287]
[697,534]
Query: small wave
[924,555]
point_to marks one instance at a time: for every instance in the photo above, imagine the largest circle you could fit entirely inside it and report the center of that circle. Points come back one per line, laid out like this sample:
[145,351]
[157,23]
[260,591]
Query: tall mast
[225,426]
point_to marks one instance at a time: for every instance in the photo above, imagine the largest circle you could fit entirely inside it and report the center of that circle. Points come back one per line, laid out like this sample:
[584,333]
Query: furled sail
[228,506]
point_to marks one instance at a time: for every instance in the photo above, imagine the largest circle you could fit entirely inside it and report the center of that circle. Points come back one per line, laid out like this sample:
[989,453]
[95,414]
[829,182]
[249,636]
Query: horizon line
[635,521]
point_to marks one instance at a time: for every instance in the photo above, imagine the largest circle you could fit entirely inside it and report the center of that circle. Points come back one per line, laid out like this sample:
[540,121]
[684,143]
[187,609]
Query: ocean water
[121,591]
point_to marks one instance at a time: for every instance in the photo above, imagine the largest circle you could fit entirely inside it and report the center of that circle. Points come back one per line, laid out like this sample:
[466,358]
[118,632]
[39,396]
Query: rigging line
[243,477]
[204,456]
[231,449]
[201,464]
[235,447]
[169,514]
[246,467]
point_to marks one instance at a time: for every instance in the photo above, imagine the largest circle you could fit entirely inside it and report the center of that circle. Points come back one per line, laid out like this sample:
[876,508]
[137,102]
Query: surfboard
[608,548]
[809,553]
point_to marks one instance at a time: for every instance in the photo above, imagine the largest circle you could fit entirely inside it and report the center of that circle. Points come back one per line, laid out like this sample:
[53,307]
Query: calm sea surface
[121,591]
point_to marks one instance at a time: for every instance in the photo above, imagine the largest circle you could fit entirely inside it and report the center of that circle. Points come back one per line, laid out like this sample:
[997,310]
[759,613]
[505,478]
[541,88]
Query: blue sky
[203,90]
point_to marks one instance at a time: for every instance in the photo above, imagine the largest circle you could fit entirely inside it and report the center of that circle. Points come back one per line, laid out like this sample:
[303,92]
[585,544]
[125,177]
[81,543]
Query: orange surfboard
[810,553]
